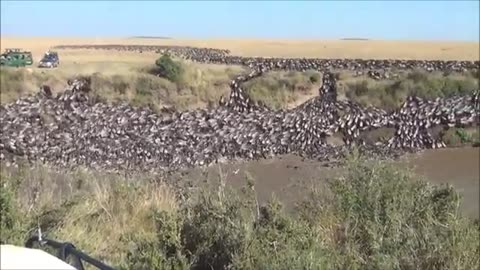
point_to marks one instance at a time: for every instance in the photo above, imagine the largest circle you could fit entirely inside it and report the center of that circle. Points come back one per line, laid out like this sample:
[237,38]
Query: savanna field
[284,212]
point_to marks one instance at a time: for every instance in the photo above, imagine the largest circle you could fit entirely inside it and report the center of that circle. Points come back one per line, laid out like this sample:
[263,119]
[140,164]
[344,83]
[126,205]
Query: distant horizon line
[353,38]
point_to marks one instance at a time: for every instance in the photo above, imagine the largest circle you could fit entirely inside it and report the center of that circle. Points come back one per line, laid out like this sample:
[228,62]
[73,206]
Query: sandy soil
[281,48]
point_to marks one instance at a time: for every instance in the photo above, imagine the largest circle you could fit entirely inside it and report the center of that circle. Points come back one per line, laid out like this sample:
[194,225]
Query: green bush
[282,241]
[314,78]
[164,251]
[376,217]
[226,230]
[388,220]
[11,220]
[168,68]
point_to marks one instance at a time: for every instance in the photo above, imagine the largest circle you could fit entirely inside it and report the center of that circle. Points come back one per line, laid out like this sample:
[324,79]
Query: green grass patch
[278,89]
[392,93]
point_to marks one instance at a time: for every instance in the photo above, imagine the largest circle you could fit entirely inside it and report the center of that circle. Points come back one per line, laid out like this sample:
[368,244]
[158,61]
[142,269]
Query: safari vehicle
[16,58]
[49,60]
[30,258]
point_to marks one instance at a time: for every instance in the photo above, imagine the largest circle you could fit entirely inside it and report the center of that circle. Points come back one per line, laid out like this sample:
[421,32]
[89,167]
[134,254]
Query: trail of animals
[74,128]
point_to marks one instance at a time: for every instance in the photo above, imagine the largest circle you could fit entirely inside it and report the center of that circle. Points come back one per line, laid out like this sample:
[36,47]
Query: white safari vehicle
[29,258]
[16,258]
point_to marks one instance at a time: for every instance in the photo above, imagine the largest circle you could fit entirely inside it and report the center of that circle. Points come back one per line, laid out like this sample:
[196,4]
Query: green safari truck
[16,58]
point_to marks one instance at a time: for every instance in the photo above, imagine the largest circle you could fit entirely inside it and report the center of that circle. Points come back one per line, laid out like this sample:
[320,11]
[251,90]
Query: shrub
[12,224]
[389,220]
[417,76]
[281,241]
[314,78]
[163,251]
[168,68]
[376,217]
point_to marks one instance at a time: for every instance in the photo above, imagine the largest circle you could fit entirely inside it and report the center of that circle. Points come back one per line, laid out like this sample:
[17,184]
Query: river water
[457,166]
[289,177]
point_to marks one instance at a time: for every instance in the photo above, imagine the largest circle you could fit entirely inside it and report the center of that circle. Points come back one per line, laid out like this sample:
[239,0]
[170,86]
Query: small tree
[168,68]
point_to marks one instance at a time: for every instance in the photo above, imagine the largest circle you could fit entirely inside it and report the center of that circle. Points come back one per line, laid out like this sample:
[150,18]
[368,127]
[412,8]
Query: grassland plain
[372,216]
[376,49]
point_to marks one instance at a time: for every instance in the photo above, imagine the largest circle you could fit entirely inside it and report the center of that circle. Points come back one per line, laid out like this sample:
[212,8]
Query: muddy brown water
[289,177]
[459,167]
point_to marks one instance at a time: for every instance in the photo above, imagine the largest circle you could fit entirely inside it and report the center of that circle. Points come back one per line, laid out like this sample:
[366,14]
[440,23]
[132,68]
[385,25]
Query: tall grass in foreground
[374,217]
[95,211]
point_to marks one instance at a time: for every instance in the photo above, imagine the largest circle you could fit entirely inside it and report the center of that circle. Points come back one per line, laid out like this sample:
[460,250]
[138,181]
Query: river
[288,177]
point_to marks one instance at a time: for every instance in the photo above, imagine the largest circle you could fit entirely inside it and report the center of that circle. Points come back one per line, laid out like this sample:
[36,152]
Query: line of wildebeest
[74,128]
[374,68]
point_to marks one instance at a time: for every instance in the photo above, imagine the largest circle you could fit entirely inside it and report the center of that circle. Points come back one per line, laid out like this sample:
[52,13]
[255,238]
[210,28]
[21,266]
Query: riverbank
[143,222]
[290,177]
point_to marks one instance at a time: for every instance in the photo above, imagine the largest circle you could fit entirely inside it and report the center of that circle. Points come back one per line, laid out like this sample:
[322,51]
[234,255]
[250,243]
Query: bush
[314,78]
[374,217]
[388,220]
[226,230]
[168,68]
[12,223]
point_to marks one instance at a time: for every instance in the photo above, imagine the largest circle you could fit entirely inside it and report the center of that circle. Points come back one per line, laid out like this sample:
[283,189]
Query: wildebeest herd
[374,68]
[74,128]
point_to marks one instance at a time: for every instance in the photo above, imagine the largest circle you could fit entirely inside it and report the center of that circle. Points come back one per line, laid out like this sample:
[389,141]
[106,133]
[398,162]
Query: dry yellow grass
[377,49]
[99,213]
